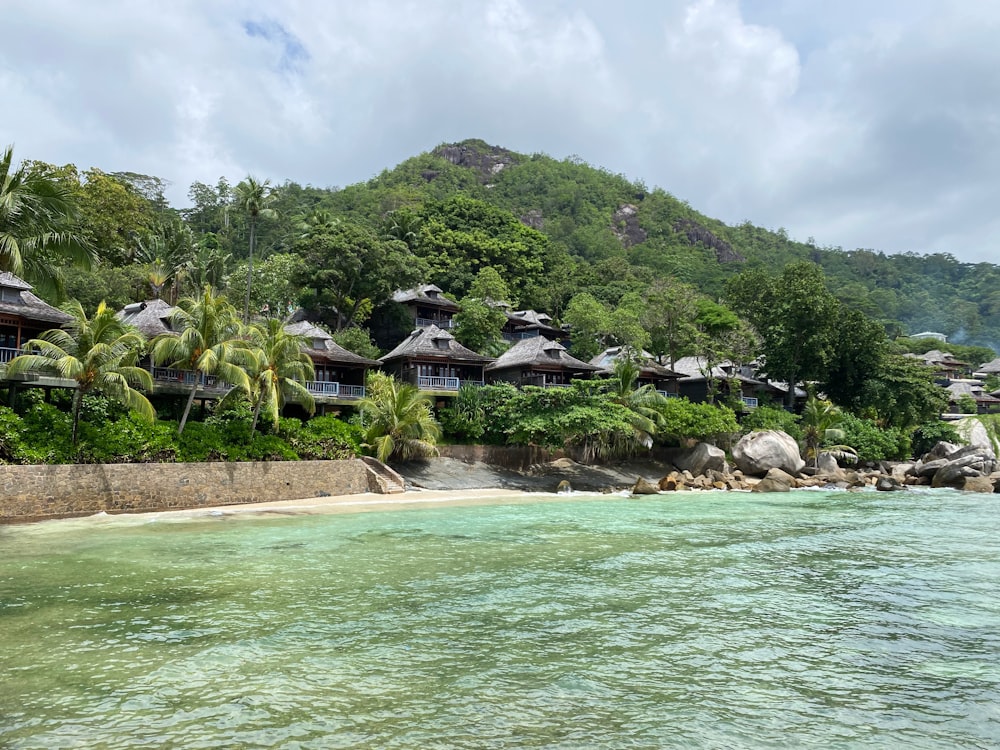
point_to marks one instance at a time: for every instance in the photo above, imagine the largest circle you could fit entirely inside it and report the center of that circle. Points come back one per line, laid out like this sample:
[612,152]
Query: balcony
[428,383]
[334,389]
[8,353]
[426,322]
[749,402]
[668,394]
[186,377]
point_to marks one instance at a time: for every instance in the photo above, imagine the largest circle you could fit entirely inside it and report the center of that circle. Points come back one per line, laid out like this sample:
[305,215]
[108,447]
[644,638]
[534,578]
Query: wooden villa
[339,373]
[427,306]
[434,361]
[538,361]
[662,378]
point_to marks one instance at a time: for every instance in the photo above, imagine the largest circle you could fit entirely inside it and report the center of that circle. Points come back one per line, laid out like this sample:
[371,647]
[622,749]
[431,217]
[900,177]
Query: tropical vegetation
[618,263]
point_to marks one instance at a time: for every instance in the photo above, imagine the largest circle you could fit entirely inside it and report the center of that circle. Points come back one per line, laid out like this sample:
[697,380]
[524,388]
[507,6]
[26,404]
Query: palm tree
[254,197]
[206,340]
[99,354]
[398,420]
[278,369]
[36,212]
[643,402]
[822,422]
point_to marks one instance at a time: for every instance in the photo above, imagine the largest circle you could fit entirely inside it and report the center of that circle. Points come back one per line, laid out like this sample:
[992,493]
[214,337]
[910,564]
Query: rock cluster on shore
[767,461]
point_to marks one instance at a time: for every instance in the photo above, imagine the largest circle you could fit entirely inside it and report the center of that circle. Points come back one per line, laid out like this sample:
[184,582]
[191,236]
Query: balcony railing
[186,377]
[327,388]
[749,402]
[8,353]
[425,322]
[428,383]
[668,394]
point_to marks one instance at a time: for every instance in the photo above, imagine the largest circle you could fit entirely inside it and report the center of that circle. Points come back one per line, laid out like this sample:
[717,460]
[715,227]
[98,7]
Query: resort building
[527,324]
[538,361]
[728,379]
[434,361]
[22,315]
[662,378]
[339,373]
[427,306]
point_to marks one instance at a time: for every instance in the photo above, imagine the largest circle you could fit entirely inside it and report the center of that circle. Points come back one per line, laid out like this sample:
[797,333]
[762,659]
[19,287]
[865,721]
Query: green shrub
[465,418]
[771,418]
[874,443]
[129,439]
[684,420]
[927,435]
[327,438]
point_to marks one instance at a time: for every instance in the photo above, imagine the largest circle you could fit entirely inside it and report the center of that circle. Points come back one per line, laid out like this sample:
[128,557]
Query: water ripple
[812,620]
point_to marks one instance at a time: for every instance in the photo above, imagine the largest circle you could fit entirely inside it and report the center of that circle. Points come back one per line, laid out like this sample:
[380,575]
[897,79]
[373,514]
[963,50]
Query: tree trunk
[253,240]
[190,401]
[77,403]
[256,414]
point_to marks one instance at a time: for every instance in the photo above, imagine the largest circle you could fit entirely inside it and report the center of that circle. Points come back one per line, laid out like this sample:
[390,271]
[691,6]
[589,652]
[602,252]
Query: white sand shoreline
[367,502]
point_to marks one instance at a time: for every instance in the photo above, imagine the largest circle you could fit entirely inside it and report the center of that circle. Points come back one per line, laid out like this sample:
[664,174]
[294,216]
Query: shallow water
[806,619]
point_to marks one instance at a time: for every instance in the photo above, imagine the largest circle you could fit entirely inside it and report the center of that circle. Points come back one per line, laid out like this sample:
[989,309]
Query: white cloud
[860,124]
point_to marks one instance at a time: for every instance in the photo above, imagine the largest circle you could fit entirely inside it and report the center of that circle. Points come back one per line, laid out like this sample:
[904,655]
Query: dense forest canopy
[552,228]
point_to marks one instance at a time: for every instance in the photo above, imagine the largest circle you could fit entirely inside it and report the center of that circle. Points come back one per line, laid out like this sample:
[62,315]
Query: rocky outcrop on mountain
[625,225]
[758,452]
[485,159]
[696,233]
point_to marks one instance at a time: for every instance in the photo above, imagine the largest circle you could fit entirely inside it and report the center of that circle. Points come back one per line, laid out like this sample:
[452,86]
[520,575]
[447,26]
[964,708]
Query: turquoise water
[806,619]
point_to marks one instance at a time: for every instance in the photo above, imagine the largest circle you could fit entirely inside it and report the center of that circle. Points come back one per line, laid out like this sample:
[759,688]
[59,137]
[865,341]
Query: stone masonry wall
[31,493]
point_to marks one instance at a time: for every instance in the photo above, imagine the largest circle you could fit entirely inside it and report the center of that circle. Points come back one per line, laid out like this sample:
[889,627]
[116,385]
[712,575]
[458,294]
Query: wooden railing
[186,377]
[332,388]
[8,353]
[426,322]
[428,383]
[749,402]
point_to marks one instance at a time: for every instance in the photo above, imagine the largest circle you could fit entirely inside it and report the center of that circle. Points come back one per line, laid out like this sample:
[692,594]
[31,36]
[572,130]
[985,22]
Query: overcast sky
[860,123]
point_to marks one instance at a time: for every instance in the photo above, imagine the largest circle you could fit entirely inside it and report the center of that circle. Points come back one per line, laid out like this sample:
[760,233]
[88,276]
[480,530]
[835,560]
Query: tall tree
[254,198]
[349,268]
[99,354]
[208,341]
[278,370]
[36,225]
[796,317]
[669,315]
[480,323]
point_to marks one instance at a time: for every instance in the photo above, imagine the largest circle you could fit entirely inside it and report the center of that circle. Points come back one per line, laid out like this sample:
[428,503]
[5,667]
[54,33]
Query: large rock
[758,452]
[644,487]
[978,484]
[701,459]
[974,433]
[970,461]
[888,484]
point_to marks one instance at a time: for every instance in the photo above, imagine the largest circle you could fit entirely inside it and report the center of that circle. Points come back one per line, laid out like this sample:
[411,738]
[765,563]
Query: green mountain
[615,233]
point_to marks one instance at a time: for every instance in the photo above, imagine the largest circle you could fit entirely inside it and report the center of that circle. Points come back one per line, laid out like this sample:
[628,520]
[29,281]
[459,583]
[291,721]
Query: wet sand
[366,503]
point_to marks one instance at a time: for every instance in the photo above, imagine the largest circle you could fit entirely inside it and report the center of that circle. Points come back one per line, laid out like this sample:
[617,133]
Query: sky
[859,123]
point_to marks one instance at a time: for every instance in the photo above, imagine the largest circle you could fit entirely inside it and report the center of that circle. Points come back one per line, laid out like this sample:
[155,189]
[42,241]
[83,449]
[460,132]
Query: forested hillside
[554,229]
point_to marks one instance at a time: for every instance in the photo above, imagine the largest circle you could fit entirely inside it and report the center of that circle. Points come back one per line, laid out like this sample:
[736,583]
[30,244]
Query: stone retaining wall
[31,493]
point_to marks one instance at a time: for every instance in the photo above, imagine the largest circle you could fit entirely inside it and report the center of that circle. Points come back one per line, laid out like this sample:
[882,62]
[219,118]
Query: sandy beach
[361,503]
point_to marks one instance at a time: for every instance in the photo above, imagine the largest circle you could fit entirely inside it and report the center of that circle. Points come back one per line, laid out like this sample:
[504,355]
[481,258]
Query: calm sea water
[806,619]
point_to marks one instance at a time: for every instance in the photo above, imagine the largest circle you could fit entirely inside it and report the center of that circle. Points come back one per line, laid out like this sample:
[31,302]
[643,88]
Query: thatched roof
[990,368]
[435,343]
[540,352]
[321,346]
[427,294]
[649,368]
[958,388]
[151,317]
[16,299]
